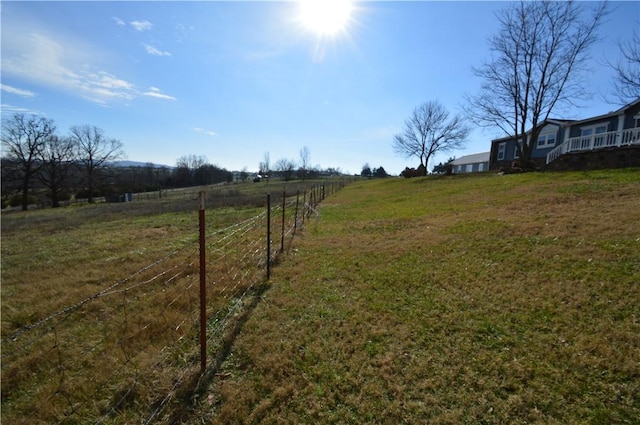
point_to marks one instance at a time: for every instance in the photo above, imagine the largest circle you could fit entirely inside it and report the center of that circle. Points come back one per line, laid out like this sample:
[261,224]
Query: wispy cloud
[155,52]
[19,92]
[207,132]
[157,93]
[119,22]
[141,25]
[5,108]
[101,86]
[182,31]
[43,60]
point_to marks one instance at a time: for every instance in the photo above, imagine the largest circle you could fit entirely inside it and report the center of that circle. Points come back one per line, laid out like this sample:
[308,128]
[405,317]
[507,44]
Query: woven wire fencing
[129,353]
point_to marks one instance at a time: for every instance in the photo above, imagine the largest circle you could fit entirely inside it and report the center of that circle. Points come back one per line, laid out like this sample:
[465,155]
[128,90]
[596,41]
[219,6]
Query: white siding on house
[471,163]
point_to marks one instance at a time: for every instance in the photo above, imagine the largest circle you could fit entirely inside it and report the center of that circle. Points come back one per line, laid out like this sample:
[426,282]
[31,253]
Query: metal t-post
[203,288]
[268,236]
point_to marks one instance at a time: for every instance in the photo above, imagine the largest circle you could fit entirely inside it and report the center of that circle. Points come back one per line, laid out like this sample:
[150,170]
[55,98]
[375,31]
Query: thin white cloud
[141,25]
[155,52]
[5,108]
[181,32]
[157,93]
[207,132]
[74,68]
[14,90]
[101,86]
[119,22]
[40,58]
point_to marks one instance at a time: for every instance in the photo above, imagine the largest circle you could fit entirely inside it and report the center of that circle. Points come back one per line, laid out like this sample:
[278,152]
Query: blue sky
[233,80]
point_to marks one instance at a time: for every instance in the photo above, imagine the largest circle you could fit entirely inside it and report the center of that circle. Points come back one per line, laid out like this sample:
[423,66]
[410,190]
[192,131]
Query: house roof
[629,105]
[608,114]
[555,121]
[472,159]
[562,122]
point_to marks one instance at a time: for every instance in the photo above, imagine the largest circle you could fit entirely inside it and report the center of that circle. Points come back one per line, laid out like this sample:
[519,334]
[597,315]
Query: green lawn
[465,299]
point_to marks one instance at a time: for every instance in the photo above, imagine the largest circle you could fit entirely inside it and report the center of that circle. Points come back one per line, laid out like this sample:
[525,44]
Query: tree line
[370,173]
[288,169]
[40,165]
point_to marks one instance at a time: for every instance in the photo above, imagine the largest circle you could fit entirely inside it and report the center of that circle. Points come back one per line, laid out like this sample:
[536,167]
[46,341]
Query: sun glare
[325,17]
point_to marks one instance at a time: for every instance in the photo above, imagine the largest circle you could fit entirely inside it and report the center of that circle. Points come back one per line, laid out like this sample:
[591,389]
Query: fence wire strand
[142,329]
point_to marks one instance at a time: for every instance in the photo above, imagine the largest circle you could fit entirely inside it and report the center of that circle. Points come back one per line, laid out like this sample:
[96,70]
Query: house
[619,129]
[616,129]
[471,163]
[504,152]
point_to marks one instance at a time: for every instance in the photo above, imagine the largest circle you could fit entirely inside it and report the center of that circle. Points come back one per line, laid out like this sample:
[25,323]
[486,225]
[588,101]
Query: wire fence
[132,348]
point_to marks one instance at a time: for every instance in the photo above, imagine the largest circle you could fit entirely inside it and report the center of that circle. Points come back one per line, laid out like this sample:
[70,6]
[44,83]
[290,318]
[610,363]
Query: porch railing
[596,141]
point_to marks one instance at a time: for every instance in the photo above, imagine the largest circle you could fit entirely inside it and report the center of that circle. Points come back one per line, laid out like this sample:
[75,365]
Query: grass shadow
[197,385]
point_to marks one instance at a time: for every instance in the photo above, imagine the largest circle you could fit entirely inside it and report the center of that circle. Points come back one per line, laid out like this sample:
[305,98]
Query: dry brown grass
[100,307]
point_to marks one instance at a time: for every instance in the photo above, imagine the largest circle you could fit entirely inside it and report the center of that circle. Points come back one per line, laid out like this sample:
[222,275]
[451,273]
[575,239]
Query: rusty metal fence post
[284,197]
[268,236]
[203,287]
[304,205]
[295,216]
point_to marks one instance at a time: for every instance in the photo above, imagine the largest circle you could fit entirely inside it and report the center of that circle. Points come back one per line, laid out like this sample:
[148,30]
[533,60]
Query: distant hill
[137,164]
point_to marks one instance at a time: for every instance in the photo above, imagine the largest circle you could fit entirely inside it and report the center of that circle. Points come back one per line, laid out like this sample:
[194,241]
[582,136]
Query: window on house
[596,129]
[551,140]
[546,140]
[502,148]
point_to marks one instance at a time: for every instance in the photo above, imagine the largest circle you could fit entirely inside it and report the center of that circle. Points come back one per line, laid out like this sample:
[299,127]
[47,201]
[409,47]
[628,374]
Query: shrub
[16,200]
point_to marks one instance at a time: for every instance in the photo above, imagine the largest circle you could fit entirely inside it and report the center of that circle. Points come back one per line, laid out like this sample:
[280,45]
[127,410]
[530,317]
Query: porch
[596,141]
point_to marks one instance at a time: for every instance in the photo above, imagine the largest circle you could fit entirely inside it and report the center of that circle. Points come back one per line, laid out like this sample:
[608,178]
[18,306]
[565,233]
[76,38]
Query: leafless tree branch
[95,151]
[23,141]
[539,58]
[429,130]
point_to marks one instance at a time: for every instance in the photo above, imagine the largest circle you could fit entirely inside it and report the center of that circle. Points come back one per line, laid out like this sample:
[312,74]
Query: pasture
[480,299]
[445,300]
[100,302]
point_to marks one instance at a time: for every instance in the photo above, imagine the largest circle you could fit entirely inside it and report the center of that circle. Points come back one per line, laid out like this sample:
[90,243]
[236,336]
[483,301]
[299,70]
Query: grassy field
[100,303]
[445,300]
[467,299]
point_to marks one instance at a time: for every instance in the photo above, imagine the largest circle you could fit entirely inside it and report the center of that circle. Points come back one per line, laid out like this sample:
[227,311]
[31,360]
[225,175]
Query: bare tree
[429,130]
[305,161]
[95,151]
[192,162]
[285,167]
[627,69]
[23,140]
[187,167]
[57,158]
[538,58]
[265,166]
